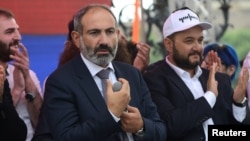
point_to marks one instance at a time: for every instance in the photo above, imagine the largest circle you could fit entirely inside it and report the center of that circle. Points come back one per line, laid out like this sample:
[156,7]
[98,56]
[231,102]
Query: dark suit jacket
[176,105]
[76,111]
[12,127]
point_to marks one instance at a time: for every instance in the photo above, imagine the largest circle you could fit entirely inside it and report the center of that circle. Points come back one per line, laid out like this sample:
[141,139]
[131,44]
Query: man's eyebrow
[111,28]
[98,30]
[13,28]
[10,29]
[94,29]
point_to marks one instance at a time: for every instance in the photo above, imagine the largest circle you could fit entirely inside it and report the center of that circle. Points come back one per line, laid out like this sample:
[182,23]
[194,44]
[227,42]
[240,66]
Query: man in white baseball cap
[190,98]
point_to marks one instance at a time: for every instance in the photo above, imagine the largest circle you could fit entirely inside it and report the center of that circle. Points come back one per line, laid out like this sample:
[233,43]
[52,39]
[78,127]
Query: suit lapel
[87,84]
[177,81]
[121,72]
[203,79]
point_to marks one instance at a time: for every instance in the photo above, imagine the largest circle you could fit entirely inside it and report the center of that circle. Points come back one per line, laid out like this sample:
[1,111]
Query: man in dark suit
[77,108]
[189,98]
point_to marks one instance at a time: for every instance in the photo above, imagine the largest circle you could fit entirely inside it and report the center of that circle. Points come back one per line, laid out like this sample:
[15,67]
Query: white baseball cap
[182,20]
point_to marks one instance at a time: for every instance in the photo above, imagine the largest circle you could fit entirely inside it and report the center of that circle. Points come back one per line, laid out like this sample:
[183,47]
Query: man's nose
[17,36]
[103,39]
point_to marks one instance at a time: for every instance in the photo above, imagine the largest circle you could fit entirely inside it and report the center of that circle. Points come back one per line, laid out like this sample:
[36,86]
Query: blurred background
[43,24]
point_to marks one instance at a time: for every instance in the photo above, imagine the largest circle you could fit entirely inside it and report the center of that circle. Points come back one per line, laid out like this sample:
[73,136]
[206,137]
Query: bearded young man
[23,82]
[188,97]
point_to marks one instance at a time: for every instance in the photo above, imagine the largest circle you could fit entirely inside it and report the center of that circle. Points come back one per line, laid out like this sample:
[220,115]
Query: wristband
[140,132]
[30,97]
[242,103]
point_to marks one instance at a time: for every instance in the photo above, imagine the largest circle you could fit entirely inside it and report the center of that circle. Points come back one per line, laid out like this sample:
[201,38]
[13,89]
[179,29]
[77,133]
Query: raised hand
[23,82]
[211,82]
[21,64]
[21,59]
[142,57]
[19,85]
[241,87]
[210,58]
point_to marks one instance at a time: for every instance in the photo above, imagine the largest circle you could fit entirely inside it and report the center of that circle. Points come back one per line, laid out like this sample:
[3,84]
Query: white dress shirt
[21,106]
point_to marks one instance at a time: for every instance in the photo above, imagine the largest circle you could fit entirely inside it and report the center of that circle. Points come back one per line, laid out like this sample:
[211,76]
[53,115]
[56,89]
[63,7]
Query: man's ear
[76,38]
[168,44]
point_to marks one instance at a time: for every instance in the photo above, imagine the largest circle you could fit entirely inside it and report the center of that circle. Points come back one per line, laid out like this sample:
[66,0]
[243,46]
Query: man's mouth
[14,46]
[102,51]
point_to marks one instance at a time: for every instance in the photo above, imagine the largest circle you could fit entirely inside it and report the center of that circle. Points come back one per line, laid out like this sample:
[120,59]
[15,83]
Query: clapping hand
[210,58]
[21,59]
[142,57]
[212,82]
[241,87]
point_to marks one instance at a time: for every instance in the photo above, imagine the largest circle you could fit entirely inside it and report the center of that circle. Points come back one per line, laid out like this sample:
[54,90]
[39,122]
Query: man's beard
[183,62]
[100,60]
[5,52]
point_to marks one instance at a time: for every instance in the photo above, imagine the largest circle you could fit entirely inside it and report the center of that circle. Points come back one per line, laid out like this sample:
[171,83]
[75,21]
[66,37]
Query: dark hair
[184,8]
[70,49]
[122,54]
[132,49]
[78,16]
[70,29]
[6,13]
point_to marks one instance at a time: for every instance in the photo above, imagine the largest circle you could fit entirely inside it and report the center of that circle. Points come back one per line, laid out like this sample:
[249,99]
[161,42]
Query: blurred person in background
[136,54]
[229,62]
[246,64]
[70,49]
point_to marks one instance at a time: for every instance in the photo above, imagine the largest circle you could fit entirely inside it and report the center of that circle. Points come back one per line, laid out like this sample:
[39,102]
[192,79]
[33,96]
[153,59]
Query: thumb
[213,70]
[130,109]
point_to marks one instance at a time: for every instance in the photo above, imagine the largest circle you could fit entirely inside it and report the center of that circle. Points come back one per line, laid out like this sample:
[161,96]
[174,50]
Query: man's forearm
[34,105]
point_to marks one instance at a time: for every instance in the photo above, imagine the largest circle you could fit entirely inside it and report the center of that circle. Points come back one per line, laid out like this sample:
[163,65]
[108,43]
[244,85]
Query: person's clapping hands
[142,57]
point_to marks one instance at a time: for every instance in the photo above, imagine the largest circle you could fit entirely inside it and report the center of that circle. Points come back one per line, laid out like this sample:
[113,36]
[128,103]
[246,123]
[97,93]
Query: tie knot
[103,74]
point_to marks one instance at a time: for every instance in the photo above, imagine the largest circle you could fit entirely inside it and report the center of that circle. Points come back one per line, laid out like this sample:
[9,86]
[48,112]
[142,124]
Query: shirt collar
[182,72]
[93,68]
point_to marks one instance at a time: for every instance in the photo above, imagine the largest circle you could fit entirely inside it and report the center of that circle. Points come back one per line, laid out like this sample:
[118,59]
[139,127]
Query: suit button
[202,138]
